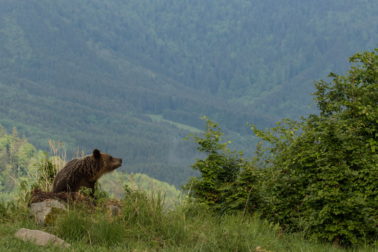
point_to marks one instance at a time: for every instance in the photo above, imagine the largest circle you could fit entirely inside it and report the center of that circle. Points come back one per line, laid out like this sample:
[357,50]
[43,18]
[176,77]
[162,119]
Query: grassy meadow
[145,224]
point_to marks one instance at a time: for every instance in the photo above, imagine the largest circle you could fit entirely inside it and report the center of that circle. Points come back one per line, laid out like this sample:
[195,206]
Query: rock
[44,212]
[40,238]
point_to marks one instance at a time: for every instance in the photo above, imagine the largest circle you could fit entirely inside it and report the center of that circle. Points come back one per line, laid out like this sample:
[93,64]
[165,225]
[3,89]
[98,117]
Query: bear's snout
[118,163]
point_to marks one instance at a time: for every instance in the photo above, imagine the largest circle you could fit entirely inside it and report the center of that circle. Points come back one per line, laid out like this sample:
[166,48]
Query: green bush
[321,173]
[227,182]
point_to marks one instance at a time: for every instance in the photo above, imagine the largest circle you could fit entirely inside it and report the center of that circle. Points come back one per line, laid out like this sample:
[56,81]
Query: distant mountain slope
[133,77]
[114,183]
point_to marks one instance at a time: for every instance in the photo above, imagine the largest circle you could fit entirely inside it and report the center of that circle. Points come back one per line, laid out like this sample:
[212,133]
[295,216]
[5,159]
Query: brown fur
[84,172]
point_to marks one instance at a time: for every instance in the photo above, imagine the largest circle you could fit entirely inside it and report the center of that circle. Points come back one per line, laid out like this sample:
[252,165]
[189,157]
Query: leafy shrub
[322,172]
[227,181]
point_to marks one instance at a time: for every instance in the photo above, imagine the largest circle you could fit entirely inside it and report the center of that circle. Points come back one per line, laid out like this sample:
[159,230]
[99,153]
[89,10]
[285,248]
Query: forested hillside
[133,77]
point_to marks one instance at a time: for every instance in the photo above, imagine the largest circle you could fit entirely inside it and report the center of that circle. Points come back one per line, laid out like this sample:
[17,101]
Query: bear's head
[108,163]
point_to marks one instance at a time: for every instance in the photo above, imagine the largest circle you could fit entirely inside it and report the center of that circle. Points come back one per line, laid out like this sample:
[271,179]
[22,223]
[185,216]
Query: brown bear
[84,172]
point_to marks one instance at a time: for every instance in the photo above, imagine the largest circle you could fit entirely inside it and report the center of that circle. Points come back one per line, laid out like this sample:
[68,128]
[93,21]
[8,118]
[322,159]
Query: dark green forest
[132,78]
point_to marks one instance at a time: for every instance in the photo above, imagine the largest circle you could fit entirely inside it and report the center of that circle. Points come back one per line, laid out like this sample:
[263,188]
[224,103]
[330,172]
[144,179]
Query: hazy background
[133,77]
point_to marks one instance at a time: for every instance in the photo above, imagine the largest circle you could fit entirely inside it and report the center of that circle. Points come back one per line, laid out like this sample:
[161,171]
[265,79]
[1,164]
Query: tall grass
[145,225]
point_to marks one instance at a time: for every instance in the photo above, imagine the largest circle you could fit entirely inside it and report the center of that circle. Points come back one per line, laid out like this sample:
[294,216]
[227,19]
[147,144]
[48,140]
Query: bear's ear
[96,154]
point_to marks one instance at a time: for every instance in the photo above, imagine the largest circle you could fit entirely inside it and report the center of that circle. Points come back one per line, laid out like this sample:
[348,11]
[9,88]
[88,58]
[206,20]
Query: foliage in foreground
[145,225]
[324,169]
[320,174]
[227,179]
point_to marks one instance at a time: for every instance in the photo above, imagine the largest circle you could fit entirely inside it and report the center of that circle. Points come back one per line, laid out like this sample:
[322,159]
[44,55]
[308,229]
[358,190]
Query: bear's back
[70,177]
